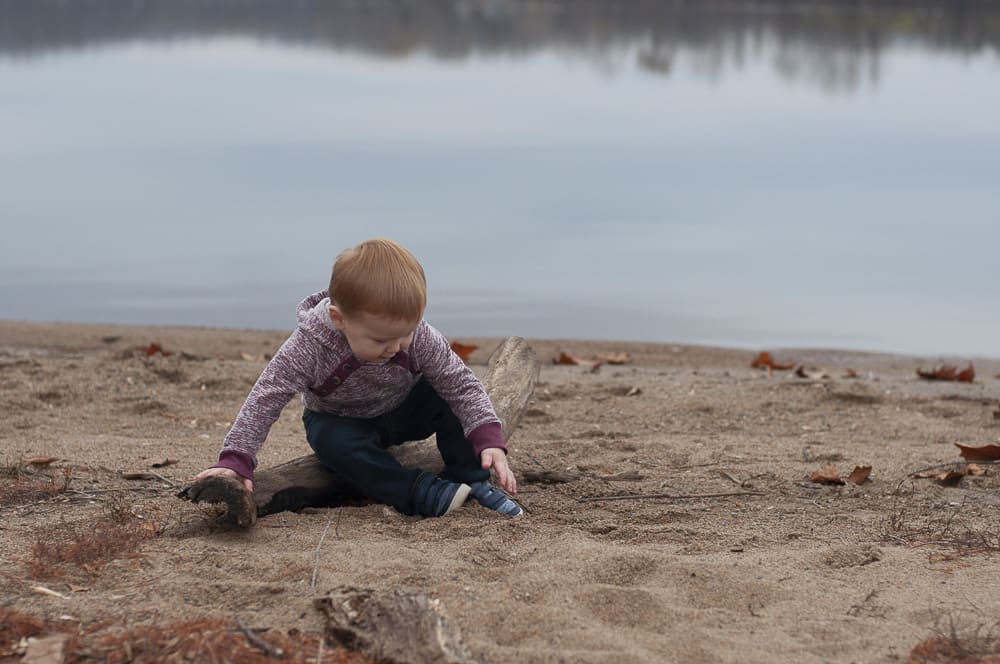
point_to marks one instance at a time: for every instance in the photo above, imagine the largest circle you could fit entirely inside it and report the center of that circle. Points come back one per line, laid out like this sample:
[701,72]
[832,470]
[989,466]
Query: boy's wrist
[487,436]
[239,462]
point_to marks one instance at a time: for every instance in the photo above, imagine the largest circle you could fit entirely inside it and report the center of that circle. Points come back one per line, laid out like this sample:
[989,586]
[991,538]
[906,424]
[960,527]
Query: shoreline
[231,342]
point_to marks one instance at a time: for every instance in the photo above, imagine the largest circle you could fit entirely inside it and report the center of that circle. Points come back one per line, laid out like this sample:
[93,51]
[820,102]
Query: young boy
[372,374]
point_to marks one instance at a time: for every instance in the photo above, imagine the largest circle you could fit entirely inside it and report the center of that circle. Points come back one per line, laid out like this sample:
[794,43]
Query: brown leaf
[154,348]
[948,372]
[952,477]
[826,475]
[259,357]
[859,475]
[40,462]
[463,350]
[811,373]
[765,361]
[140,476]
[613,358]
[984,453]
[566,358]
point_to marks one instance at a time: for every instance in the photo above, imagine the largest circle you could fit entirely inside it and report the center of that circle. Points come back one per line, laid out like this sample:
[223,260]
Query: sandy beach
[671,510]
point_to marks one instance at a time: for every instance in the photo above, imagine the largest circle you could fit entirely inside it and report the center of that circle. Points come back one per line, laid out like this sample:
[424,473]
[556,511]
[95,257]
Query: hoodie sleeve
[458,386]
[285,375]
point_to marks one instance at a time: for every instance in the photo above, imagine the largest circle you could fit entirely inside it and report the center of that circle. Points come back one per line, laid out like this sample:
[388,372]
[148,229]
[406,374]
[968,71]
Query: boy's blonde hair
[381,278]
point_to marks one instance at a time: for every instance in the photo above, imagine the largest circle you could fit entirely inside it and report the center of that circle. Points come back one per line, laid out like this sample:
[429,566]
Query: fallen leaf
[765,361]
[859,475]
[463,350]
[826,475]
[812,374]
[624,476]
[613,358]
[259,357]
[949,373]
[164,463]
[984,453]
[140,476]
[40,462]
[154,348]
[952,477]
[566,358]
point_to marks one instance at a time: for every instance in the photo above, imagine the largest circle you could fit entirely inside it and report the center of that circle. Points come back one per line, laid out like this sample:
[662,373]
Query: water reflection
[833,45]
[628,170]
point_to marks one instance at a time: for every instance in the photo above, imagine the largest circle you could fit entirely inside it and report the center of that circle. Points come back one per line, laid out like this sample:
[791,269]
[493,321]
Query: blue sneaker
[495,499]
[434,496]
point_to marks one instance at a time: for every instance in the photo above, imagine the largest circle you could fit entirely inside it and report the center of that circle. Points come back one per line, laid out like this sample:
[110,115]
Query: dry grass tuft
[67,548]
[22,487]
[206,640]
[955,644]
[915,525]
[14,627]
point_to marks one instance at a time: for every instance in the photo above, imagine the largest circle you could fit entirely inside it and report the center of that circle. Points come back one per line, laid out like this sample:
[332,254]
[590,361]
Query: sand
[784,569]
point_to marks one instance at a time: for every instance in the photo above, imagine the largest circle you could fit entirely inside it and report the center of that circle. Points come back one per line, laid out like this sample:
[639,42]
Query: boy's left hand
[496,459]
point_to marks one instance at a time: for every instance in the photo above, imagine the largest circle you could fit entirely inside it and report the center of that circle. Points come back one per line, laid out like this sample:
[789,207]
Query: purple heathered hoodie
[317,362]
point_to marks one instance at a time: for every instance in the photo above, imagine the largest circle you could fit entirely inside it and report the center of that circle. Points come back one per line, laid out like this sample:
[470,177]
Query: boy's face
[373,338]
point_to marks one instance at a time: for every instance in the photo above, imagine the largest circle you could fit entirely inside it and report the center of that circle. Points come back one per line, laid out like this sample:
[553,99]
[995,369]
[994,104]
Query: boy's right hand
[213,472]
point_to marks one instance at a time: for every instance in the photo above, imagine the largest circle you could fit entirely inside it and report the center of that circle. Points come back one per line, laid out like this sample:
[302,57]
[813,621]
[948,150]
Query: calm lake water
[726,173]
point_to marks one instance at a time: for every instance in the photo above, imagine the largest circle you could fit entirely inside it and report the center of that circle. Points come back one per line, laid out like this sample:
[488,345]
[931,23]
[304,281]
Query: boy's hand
[212,472]
[496,459]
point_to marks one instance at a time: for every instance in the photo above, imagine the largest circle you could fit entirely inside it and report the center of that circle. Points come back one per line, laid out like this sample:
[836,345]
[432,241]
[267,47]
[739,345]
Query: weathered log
[394,627]
[304,482]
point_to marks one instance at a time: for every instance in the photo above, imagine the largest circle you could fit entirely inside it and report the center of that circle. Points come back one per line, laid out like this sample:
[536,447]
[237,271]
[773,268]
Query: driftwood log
[304,482]
[393,627]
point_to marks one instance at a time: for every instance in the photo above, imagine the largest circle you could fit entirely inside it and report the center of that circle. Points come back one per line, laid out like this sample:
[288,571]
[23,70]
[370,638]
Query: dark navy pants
[357,449]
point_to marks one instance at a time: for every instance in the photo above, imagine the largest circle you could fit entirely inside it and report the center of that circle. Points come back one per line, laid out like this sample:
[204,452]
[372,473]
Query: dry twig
[668,496]
[260,643]
[312,584]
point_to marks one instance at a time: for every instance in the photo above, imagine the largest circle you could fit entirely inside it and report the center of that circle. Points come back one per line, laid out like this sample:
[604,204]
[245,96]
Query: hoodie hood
[313,314]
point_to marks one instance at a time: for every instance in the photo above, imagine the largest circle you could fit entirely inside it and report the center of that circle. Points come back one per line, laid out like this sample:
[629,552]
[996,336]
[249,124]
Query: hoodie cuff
[486,436]
[240,463]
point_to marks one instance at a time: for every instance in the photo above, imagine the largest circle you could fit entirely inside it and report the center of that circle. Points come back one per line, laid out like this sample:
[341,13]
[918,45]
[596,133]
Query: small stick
[730,478]
[149,475]
[697,465]
[268,649]
[312,584]
[671,496]
[954,463]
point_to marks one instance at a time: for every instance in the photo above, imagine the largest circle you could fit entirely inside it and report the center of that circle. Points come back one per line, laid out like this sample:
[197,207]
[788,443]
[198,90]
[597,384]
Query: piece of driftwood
[392,627]
[304,482]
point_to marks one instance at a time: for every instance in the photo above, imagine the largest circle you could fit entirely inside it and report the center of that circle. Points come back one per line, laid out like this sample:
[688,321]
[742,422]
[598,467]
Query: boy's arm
[282,378]
[458,385]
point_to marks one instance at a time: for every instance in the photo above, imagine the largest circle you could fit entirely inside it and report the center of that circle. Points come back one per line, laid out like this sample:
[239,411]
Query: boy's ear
[336,317]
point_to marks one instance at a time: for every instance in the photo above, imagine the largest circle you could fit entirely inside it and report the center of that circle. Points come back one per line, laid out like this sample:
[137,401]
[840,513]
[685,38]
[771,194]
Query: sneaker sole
[459,498]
